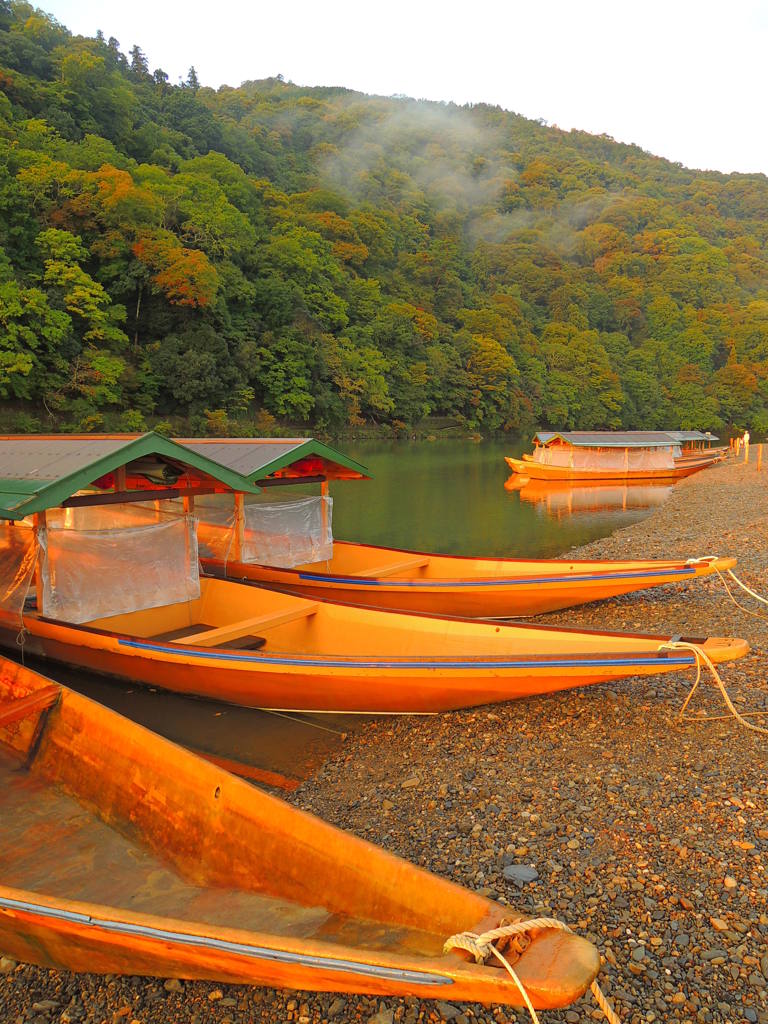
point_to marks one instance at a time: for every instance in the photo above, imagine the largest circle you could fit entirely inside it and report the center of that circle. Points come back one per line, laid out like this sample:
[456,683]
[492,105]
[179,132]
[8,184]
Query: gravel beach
[647,835]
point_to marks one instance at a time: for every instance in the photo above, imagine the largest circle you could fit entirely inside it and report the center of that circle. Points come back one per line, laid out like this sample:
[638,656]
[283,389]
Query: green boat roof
[284,459]
[39,472]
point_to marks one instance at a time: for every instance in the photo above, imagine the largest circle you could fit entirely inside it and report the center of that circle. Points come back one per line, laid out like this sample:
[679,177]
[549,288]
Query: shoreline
[649,837]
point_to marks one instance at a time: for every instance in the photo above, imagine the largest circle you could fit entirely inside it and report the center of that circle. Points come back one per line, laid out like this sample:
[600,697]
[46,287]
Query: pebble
[520,874]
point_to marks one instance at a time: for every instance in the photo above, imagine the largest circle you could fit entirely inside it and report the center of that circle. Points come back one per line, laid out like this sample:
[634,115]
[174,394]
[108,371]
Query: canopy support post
[39,525]
[238,544]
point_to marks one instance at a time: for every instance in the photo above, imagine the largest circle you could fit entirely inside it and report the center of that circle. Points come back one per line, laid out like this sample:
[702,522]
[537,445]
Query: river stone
[447,1011]
[520,874]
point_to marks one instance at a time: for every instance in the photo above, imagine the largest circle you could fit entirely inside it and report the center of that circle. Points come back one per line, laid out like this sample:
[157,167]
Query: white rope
[744,587]
[708,560]
[482,946]
[702,658]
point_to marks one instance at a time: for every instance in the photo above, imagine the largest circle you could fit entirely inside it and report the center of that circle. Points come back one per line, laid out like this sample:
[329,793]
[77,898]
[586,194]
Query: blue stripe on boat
[262,659]
[515,581]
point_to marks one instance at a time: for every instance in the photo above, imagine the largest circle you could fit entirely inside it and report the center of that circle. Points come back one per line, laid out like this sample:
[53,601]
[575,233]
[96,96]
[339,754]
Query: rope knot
[515,938]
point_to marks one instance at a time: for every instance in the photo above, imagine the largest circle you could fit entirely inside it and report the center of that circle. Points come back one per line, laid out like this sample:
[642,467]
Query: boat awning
[39,472]
[607,438]
[268,460]
[681,436]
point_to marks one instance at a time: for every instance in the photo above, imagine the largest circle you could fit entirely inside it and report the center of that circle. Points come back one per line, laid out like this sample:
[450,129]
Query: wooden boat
[260,648]
[122,853]
[395,578]
[603,455]
[539,471]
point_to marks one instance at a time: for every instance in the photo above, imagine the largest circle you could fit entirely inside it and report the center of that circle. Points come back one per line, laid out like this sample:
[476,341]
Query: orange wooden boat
[394,578]
[539,471]
[603,455]
[260,648]
[122,853]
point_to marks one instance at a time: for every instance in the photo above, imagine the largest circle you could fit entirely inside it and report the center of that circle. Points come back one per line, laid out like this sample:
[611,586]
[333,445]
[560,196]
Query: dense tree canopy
[232,257]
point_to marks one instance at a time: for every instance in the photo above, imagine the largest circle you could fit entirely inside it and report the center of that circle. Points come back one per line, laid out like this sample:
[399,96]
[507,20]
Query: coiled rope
[481,947]
[702,658]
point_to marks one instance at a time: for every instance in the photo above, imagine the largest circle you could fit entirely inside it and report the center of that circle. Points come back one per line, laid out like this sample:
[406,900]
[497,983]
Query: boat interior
[106,813]
[369,561]
[231,615]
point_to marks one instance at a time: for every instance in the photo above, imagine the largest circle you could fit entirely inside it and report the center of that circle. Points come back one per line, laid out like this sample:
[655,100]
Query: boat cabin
[628,451]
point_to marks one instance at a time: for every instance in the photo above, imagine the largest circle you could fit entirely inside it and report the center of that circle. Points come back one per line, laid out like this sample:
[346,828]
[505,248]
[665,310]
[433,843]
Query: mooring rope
[708,560]
[481,947]
[702,658]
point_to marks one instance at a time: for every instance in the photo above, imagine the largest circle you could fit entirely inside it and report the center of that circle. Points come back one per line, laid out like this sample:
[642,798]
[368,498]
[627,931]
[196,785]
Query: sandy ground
[649,836]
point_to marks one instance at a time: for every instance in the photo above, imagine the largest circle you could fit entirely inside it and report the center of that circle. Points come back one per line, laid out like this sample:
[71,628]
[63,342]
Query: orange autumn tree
[185,276]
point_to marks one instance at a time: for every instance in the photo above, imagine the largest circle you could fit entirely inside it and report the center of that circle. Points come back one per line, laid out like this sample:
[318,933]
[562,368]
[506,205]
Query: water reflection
[560,498]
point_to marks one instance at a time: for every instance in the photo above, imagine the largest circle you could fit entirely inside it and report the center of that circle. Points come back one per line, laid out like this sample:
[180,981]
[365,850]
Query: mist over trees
[230,260]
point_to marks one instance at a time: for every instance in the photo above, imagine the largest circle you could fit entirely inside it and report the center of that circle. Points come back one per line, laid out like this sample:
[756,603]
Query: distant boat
[603,455]
[122,853]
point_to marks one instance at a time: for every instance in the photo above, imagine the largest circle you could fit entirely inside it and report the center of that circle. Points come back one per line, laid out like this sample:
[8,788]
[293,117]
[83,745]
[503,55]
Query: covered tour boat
[601,455]
[289,545]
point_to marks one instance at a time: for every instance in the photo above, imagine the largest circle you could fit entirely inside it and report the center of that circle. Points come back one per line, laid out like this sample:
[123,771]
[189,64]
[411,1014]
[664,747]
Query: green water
[449,497]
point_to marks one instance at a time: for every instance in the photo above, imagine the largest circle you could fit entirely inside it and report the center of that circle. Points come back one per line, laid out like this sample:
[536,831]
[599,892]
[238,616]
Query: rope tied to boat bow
[703,659]
[709,560]
[481,947]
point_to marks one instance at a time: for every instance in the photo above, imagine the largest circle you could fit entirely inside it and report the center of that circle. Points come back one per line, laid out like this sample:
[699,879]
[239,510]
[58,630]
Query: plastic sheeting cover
[18,555]
[91,574]
[611,459]
[280,533]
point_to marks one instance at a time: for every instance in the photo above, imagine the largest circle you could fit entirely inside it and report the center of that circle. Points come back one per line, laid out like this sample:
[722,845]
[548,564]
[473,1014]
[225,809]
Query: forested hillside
[209,260]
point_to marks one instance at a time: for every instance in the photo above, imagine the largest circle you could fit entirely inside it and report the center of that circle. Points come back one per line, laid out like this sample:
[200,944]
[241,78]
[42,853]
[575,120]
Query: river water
[449,497]
[446,496]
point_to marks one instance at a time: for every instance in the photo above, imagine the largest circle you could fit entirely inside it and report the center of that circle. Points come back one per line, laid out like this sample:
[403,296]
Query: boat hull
[405,663]
[541,471]
[469,587]
[132,821]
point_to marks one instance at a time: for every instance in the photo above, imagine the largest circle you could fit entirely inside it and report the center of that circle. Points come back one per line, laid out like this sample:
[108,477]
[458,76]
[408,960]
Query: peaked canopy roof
[608,438]
[38,472]
[277,459]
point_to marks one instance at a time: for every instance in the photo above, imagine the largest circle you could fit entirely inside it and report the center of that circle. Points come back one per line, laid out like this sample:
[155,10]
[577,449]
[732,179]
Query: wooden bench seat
[391,569]
[223,635]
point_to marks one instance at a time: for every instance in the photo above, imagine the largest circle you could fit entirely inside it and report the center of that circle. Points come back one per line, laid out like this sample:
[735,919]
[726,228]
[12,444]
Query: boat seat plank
[234,630]
[391,569]
[184,631]
[249,642]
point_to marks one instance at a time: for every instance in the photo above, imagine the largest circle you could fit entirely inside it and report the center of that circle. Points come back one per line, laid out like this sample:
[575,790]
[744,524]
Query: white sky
[684,79]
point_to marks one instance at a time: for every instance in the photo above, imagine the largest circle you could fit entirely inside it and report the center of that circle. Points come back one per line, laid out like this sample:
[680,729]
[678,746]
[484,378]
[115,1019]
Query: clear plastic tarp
[609,459]
[111,570]
[283,533]
[18,555]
